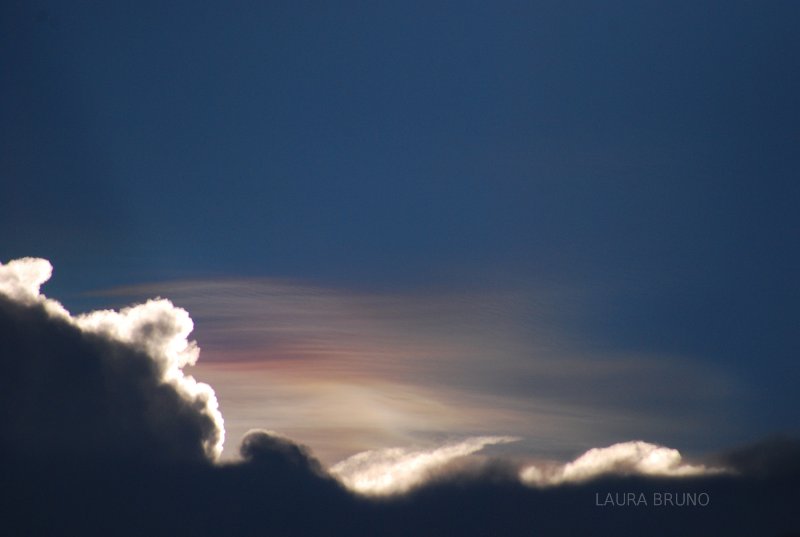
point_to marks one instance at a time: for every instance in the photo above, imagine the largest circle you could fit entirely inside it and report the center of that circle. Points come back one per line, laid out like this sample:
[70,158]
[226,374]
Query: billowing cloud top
[127,363]
[21,279]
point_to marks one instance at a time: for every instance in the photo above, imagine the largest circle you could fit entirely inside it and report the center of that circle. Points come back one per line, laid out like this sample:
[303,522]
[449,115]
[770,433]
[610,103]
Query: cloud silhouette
[272,450]
[103,383]
[101,433]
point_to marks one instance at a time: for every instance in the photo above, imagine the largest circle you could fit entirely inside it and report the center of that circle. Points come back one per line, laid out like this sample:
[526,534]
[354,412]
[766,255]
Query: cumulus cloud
[390,471]
[105,381]
[21,279]
[625,458]
[271,449]
[91,406]
[160,330]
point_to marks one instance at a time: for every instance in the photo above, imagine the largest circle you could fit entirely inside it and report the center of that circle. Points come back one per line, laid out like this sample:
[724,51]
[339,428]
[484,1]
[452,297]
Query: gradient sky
[575,222]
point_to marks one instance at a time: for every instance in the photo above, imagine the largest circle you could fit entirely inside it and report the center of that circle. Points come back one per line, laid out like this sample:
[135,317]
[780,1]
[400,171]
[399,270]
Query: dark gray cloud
[100,437]
[774,457]
[266,449]
[65,391]
[100,383]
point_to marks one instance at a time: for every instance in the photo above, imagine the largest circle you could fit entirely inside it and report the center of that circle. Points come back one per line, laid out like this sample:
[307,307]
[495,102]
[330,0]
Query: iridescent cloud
[346,371]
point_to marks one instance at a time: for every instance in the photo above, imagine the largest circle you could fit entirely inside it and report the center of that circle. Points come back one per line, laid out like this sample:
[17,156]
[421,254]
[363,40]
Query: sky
[423,226]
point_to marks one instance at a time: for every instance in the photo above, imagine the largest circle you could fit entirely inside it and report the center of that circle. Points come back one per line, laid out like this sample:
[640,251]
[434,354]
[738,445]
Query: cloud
[21,279]
[352,370]
[623,459]
[160,330]
[777,456]
[392,471]
[108,381]
[275,451]
[101,433]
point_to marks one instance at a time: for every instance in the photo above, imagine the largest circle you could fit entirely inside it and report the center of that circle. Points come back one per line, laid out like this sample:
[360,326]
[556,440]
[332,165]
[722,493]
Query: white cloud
[20,280]
[392,471]
[626,458]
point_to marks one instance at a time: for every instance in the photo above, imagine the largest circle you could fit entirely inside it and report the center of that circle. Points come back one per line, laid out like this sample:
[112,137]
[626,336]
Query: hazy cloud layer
[373,370]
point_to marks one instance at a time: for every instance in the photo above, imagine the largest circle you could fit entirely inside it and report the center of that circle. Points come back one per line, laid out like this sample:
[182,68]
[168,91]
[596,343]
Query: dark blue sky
[644,153]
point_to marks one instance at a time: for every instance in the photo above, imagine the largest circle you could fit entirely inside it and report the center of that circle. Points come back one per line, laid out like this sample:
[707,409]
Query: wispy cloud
[349,371]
